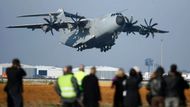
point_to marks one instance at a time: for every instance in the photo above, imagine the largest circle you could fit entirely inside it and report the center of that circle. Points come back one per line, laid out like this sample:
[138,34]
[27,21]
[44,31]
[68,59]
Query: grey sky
[38,48]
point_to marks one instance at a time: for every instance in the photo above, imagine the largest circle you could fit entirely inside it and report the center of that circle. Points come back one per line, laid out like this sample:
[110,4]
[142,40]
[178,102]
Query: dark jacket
[156,86]
[119,88]
[14,83]
[172,86]
[91,89]
[183,85]
[76,87]
[133,96]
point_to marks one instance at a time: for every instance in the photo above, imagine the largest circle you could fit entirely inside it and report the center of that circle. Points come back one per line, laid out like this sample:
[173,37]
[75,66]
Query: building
[146,75]
[48,71]
[35,71]
[29,69]
[103,72]
[186,75]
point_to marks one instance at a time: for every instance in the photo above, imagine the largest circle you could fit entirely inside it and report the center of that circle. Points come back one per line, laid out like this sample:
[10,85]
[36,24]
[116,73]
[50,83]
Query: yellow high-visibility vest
[79,76]
[66,86]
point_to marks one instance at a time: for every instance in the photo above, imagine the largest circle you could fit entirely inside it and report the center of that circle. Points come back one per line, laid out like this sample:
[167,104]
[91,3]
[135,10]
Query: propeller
[50,24]
[149,28]
[76,20]
[129,24]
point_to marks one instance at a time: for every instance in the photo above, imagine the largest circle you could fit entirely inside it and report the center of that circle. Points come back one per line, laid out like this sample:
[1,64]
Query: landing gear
[105,48]
[81,47]
[114,37]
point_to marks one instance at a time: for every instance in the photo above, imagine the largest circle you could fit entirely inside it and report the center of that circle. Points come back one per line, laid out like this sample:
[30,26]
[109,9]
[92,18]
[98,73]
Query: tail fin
[61,13]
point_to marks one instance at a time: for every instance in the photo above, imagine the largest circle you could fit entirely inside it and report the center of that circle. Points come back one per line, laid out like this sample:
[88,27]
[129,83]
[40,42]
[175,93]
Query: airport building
[41,72]
[35,71]
[103,72]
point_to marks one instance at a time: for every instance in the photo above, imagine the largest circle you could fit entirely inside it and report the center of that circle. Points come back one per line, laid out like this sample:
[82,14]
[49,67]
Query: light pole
[149,63]
[161,53]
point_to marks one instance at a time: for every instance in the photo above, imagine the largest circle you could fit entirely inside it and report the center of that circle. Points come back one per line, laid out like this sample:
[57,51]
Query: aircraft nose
[120,20]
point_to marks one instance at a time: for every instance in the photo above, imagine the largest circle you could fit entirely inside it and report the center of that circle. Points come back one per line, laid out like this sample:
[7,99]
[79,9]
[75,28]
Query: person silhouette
[14,86]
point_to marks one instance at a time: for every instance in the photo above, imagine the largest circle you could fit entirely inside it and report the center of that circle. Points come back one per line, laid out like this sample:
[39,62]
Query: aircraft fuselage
[101,34]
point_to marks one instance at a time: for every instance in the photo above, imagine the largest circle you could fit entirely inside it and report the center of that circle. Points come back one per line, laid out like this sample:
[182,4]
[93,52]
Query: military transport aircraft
[85,33]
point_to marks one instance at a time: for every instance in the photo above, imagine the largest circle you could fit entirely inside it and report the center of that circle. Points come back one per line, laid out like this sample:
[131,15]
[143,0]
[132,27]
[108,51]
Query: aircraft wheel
[78,48]
[116,37]
[105,48]
[101,49]
[109,47]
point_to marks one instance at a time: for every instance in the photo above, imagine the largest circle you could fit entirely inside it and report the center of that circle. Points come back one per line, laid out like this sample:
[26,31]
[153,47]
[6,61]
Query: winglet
[61,12]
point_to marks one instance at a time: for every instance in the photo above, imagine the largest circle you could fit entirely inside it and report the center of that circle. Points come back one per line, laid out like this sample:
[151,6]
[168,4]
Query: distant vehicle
[84,33]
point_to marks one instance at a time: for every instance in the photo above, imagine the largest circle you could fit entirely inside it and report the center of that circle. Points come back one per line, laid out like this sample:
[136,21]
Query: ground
[43,95]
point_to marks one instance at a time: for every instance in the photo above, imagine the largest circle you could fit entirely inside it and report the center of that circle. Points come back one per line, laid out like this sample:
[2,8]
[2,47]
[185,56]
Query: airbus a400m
[85,33]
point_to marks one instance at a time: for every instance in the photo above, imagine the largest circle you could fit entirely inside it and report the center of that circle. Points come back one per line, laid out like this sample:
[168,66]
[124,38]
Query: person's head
[70,68]
[173,68]
[132,72]
[67,69]
[16,62]
[136,68]
[93,70]
[120,72]
[160,71]
[81,67]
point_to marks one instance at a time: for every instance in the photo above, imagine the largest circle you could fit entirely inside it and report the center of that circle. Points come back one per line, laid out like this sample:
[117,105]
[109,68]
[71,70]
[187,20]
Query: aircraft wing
[147,29]
[45,27]
[55,14]
[29,26]
[34,26]
[37,15]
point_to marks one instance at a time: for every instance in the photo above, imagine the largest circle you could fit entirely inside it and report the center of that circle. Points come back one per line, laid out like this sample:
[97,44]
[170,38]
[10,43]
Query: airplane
[87,33]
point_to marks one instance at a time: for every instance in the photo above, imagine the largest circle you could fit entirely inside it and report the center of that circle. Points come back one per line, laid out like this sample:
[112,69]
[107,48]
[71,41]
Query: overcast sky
[38,48]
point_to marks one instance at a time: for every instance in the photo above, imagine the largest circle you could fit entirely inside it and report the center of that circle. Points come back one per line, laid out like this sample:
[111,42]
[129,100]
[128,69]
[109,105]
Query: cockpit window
[116,14]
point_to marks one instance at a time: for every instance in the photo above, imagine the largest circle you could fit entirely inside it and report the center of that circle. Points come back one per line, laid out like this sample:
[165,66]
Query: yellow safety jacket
[79,76]
[66,86]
